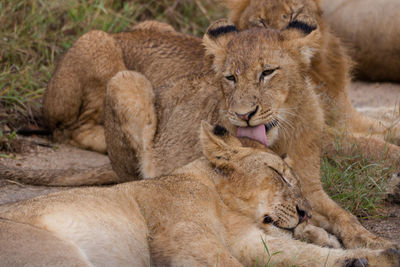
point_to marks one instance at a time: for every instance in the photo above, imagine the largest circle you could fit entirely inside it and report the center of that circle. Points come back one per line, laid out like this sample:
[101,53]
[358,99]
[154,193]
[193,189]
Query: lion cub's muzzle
[254,124]
[289,218]
[247,116]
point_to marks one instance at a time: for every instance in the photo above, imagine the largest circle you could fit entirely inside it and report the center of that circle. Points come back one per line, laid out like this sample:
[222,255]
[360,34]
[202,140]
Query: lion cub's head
[304,15]
[263,75]
[255,181]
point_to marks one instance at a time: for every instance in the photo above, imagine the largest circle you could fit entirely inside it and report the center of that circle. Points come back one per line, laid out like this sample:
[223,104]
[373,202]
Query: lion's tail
[61,177]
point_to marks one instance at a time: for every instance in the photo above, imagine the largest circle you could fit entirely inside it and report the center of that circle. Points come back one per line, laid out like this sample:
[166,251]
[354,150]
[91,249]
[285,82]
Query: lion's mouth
[258,133]
[289,229]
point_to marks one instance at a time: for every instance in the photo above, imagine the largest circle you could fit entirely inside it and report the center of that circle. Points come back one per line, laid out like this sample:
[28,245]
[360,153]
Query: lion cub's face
[262,74]
[256,181]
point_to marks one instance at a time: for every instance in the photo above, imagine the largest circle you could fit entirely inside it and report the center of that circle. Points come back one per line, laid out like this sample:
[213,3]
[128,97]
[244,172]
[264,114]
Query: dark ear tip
[221,27]
[302,26]
[220,131]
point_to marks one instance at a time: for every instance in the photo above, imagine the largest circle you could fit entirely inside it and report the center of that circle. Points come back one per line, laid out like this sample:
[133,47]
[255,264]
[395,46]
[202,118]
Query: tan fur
[309,233]
[213,218]
[370,29]
[330,64]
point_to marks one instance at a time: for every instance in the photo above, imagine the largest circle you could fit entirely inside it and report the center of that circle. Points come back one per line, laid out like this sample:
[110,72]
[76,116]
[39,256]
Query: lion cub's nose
[303,215]
[247,116]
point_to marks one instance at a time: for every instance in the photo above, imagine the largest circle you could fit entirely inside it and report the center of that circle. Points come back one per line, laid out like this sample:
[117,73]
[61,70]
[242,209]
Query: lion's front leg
[130,125]
[328,214]
[253,248]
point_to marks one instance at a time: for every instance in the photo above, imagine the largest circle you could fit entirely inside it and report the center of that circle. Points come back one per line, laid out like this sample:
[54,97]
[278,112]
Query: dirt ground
[378,99]
[39,154]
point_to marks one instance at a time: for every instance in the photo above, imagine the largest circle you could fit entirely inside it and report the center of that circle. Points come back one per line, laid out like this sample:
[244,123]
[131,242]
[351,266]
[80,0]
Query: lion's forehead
[244,60]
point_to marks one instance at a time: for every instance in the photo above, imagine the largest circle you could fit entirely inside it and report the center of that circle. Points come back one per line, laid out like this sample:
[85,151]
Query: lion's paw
[315,235]
[371,258]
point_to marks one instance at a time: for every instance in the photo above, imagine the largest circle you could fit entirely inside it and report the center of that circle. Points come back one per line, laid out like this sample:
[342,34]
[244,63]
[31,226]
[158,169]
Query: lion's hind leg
[130,125]
[73,102]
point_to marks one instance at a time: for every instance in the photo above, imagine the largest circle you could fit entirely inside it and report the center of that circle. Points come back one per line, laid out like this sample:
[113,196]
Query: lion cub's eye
[266,73]
[231,78]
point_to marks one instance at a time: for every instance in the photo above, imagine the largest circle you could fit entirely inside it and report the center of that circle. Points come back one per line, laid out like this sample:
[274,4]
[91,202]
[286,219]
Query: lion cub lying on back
[213,211]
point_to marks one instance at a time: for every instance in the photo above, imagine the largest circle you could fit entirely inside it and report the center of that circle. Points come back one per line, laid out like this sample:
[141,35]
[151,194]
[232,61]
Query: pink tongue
[255,133]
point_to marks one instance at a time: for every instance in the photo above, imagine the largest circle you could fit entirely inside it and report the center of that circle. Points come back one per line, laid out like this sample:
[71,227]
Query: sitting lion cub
[219,210]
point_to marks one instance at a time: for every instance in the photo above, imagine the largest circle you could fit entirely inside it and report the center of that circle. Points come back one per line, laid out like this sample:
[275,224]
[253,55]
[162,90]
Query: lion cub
[217,210]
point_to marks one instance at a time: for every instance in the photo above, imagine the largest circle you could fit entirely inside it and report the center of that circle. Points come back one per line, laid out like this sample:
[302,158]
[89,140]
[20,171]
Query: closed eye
[281,176]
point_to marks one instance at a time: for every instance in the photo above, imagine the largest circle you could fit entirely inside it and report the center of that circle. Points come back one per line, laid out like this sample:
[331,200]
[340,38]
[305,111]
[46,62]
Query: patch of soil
[388,227]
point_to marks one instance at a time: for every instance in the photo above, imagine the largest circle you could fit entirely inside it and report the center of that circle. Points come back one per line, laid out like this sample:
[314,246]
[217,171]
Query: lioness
[370,29]
[217,210]
[330,64]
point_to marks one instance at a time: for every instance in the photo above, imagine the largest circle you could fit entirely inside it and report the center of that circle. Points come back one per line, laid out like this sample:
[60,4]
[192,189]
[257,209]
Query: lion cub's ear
[219,146]
[216,39]
[304,47]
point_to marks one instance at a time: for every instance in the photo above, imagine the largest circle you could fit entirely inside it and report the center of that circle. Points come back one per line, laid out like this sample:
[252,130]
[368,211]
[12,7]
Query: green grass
[36,33]
[356,183]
